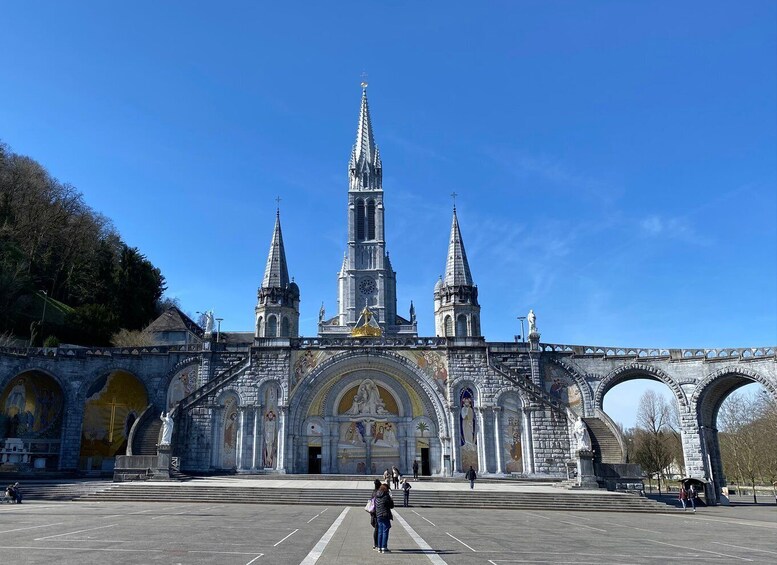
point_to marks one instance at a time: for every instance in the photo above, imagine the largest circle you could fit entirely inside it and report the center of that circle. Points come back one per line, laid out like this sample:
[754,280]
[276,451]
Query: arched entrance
[113,403]
[363,413]
[31,410]
[707,401]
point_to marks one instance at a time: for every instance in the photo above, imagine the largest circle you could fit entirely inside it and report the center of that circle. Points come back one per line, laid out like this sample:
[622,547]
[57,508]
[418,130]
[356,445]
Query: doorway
[314,460]
[426,469]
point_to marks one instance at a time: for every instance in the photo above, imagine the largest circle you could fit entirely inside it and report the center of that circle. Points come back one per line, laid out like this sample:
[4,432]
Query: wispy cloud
[679,228]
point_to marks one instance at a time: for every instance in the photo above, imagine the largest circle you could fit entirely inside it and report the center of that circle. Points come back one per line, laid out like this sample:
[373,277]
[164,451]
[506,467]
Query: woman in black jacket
[374,520]
[383,506]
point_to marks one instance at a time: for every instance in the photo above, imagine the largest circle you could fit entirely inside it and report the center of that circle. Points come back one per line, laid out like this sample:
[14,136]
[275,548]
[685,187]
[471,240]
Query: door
[314,460]
[425,467]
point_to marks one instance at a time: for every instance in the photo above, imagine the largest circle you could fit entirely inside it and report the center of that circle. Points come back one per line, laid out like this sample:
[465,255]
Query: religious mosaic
[468,430]
[512,430]
[231,424]
[305,361]
[270,427]
[182,385]
[562,387]
[432,363]
[31,406]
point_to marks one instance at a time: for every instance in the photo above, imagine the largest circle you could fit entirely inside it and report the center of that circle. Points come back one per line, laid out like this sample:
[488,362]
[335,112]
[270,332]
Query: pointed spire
[276,273]
[457,271]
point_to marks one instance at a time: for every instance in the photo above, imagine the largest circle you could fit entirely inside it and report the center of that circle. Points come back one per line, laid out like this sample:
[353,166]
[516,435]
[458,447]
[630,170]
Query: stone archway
[358,411]
[32,407]
[707,398]
[637,371]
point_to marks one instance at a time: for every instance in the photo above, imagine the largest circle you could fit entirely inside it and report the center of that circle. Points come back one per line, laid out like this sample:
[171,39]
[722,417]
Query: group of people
[688,495]
[381,502]
[14,492]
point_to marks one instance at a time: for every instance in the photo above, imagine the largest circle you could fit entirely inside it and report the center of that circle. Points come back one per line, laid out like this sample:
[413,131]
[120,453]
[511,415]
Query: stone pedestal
[586,476]
[162,470]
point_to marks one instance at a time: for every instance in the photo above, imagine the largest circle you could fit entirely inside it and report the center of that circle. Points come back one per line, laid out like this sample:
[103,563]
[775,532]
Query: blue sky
[616,162]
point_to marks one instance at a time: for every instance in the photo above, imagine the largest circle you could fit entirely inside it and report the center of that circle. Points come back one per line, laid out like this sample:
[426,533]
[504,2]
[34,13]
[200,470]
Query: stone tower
[456,308]
[366,277]
[277,306]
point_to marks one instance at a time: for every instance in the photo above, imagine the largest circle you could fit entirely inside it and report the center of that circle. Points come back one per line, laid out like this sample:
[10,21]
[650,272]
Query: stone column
[281,459]
[498,440]
[454,442]
[256,431]
[482,461]
[217,442]
[240,437]
[529,450]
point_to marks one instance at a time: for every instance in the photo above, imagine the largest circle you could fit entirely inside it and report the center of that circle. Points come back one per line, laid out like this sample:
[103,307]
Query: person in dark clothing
[406,489]
[383,506]
[395,477]
[374,519]
[471,476]
[415,469]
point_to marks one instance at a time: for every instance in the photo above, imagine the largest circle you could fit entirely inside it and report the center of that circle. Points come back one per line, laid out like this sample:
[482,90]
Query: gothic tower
[456,308]
[366,277]
[277,306]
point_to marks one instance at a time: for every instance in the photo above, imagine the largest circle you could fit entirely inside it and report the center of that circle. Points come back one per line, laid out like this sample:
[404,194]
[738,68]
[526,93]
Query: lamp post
[218,328]
[523,334]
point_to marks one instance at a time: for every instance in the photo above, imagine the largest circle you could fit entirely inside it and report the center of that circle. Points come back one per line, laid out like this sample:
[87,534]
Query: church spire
[276,273]
[457,271]
[365,166]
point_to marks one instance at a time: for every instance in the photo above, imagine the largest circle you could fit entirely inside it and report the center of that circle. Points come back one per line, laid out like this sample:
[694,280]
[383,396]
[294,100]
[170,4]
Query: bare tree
[654,436]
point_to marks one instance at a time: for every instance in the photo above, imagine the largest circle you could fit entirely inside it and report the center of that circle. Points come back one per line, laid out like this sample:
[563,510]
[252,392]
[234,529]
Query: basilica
[364,394]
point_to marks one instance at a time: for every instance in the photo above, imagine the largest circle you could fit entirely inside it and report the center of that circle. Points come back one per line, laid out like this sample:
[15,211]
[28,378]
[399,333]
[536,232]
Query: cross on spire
[454,195]
[278,203]
[365,84]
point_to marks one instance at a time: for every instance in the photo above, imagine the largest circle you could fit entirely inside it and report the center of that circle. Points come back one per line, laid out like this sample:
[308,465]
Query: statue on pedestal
[582,436]
[532,319]
[167,428]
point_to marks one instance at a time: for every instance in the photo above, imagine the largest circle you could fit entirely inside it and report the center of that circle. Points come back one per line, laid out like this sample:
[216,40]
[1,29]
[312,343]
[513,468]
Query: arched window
[272,327]
[475,326]
[461,326]
[259,326]
[285,329]
[360,220]
[448,326]
[371,219]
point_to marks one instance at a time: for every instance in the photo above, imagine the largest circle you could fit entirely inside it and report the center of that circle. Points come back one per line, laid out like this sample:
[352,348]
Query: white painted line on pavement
[254,559]
[700,550]
[694,517]
[747,548]
[317,515]
[30,528]
[76,532]
[537,515]
[461,542]
[417,514]
[318,549]
[287,537]
[582,526]
[428,551]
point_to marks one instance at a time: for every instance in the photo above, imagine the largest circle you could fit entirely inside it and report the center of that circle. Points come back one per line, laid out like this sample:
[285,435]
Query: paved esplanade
[247,534]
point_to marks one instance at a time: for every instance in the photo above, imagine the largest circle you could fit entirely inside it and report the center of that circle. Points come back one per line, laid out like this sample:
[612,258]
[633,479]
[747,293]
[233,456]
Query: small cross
[364,80]
[278,201]
[454,195]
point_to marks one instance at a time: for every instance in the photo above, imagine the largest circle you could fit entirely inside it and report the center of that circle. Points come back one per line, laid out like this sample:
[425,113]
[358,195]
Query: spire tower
[456,308]
[277,306]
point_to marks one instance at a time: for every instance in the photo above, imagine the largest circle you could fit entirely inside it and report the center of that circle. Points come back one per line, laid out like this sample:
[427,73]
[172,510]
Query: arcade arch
[31,414]
[113,402]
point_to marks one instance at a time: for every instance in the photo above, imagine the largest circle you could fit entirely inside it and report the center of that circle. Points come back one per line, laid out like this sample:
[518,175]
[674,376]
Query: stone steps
[575,501]
[61,491]
[604,442]
[146,444]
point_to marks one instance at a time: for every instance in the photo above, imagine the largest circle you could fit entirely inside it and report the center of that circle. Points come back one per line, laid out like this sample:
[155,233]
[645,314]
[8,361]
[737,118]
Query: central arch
[361,412]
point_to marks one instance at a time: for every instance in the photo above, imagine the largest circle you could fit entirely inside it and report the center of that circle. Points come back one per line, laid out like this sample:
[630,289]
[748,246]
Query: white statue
[167,428]
[532,322]
[367,400]
[209,322]
[581,435]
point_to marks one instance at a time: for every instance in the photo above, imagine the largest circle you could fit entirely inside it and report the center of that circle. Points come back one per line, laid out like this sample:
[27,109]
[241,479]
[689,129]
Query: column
[240,437]
[482,462]
[498,439]
[256,431]
[281,459]
[528,452]
[454,443]
[216,440]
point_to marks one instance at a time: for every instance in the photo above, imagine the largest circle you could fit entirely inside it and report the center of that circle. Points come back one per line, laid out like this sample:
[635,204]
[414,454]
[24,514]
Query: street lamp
[218,328]
[523,334]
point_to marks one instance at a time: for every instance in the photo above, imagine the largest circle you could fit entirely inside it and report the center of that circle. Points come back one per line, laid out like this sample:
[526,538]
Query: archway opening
[31,413]
[645,412]
[112,402]
[739,431]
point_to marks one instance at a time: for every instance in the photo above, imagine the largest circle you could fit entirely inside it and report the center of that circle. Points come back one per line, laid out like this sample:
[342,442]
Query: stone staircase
[605,444]
[579,501]
[60,491]
[145,441]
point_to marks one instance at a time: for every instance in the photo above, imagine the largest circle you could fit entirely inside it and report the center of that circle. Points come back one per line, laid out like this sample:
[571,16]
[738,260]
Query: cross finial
[454,195]
[365,84]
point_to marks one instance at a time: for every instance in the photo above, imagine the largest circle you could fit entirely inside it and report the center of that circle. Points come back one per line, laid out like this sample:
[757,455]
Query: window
[272,327]
[461,326]
[371,219]
[359,220]
[448,326]
[285,330]
[259,326]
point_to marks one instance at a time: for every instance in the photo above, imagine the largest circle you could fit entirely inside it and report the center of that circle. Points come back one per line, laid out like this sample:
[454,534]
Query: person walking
[395,477]
[682,495]
[383,505]
[406,490]
[471,476]
[374,518]
[692,497]
[415,469]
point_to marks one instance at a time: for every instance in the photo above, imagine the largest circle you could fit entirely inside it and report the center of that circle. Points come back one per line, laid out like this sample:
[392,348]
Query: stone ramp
[580,501]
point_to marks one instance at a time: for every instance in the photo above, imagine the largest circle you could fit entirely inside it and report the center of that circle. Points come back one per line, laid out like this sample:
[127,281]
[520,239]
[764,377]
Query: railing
[613,427]
[347,342]
[213,384]
[527,385]
[736,353]
[84,352]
